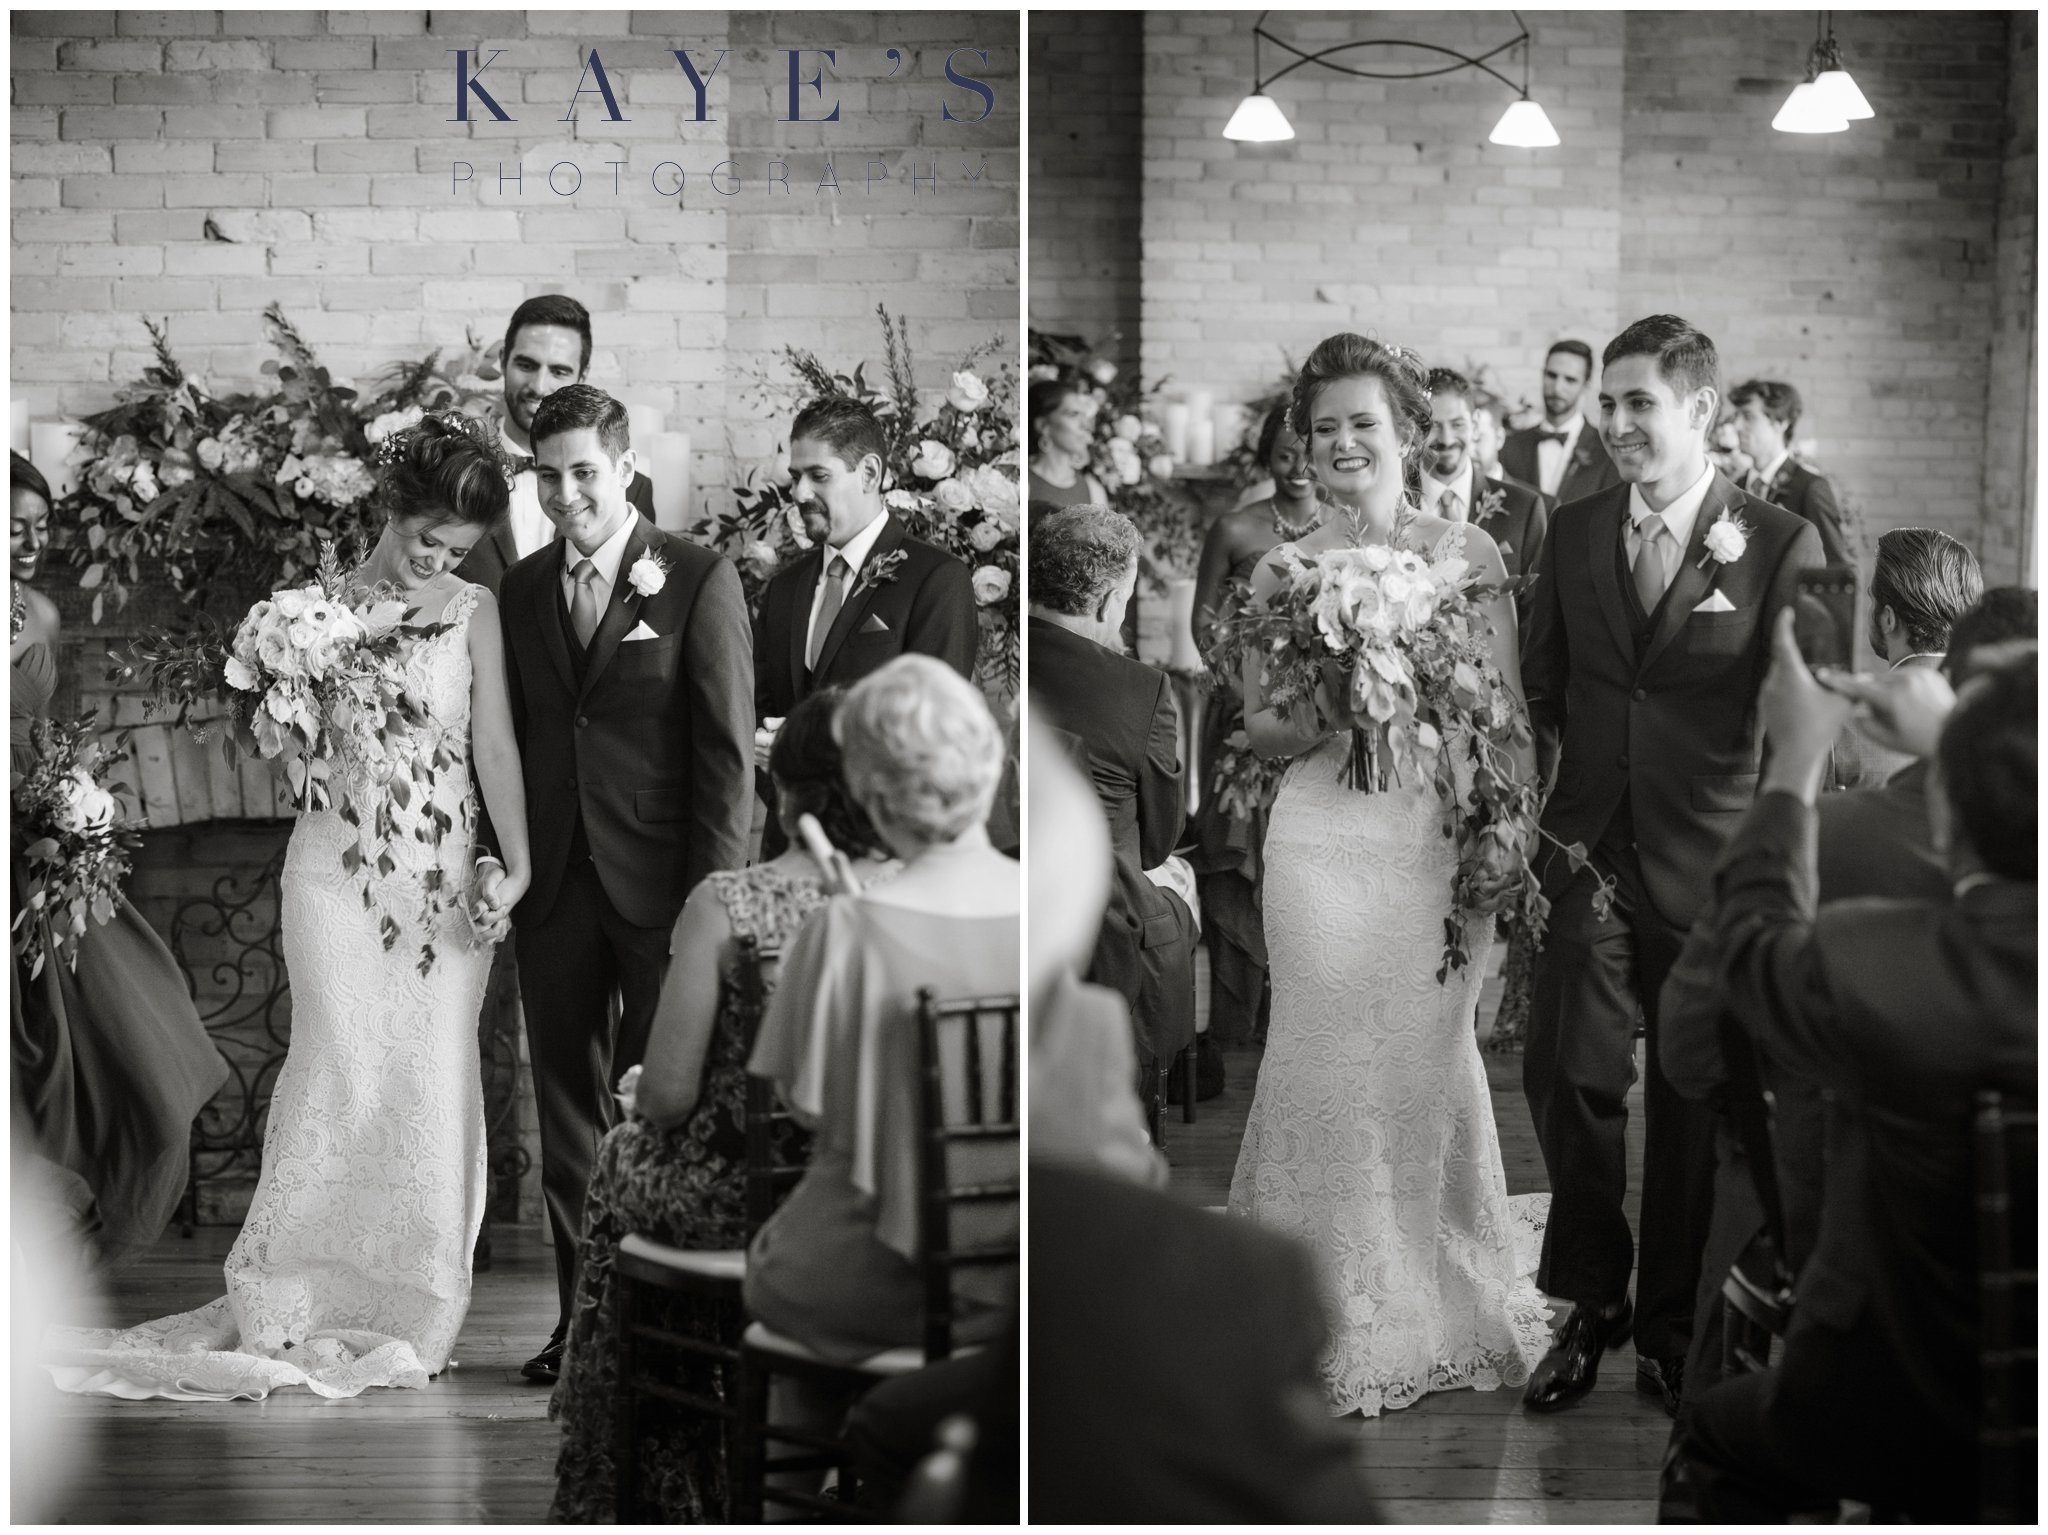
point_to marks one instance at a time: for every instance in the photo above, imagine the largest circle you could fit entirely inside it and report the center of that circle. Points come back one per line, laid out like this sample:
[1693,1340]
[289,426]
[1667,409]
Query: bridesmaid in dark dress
[674,1170]
[1228,843]
[110,1062]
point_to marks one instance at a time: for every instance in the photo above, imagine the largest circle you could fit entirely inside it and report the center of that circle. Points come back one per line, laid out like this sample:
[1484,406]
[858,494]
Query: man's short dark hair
[1929,580]
[581,406]
[1780,400]
[844,425]
[1450,381]
[2003,613]
[1685,356]
[1988,766]
[550,309]
[1572,348]
[1077,554]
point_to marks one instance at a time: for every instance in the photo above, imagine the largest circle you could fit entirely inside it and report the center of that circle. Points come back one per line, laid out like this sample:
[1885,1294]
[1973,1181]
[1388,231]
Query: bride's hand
[1498,878]
[494,894]
[1333,696]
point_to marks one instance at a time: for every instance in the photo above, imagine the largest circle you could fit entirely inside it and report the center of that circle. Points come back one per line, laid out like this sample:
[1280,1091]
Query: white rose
[144,482]
[211,453]
[1129,428]
[292,603]
[760,556]
[83,806]
[240,675]
[647,576]
[905,500]
[986,534]
[1725,540]
[1042,371]
[991,585]
[1129,467]
[995,490]
[954,497]
[1161,466]
[393,421]
[1102,370]
[967,393]
[934,460]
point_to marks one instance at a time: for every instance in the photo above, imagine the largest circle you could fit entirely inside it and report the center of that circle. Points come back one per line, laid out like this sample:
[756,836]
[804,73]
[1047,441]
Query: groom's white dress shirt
[607,559]
[1678,517]
[855,553]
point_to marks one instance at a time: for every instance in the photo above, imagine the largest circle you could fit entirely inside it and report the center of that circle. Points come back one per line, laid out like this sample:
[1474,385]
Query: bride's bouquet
[314,678]
[1400,645]
[73,839]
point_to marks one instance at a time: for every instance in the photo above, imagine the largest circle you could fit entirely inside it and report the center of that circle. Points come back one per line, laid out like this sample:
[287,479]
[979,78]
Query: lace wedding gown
[352,1268]
[1371,1135]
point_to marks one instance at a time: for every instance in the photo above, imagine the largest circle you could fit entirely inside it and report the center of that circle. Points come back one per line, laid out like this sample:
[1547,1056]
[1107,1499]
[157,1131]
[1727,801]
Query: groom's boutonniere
[881,570]
[1492,504]
[1727,538]
[648,575]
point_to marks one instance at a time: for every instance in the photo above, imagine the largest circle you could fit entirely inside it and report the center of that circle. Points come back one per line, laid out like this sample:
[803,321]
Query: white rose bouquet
[72,835]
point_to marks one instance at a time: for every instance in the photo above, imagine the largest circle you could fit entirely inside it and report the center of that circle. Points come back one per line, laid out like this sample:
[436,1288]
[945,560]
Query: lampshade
[1809,110]
[1524,125]
[1258,120]
[1841,95]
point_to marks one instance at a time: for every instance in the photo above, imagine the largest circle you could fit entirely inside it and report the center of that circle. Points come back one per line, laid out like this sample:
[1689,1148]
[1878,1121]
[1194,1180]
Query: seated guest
[674,1171]
[1924,582]
[1904,1009]
[1870,842]
[1060,426]
[836,1268]
[1766,415]
[1121,717]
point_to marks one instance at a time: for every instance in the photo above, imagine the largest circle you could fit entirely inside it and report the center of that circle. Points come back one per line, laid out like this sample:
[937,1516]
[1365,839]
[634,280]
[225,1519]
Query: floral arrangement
[1128,455]
[1403,644]
[69,828]
[314,678]
[953,474]
[243,487]
[1242,457]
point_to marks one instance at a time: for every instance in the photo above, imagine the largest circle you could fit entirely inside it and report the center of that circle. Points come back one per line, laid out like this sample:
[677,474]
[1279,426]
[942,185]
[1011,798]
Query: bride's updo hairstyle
[1400,372]
[446,467]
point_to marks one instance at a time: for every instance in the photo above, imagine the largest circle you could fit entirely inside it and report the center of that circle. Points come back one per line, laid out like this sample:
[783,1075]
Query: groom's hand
[764,741]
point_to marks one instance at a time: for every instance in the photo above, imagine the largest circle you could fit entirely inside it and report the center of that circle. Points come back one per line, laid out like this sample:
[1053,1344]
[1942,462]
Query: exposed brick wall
[1872,268]
[2009,547]
[317,147]
[1087,143]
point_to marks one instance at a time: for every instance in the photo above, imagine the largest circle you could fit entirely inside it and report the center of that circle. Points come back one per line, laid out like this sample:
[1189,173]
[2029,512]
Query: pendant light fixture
[1827,101]
[1259,120]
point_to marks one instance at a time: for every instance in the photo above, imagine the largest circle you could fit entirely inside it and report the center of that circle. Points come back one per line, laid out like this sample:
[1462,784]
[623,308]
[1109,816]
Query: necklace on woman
[17,613]
[1288,531]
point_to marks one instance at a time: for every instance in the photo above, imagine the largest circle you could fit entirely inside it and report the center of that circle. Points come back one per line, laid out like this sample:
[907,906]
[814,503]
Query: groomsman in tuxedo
[1766,415]
[1455,488]
[1647,636]
[547,347]
[630,663]
[865,593]
[1563,457]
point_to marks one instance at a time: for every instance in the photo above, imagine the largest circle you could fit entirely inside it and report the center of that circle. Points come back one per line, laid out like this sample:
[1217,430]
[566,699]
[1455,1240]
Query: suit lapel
[803,591]
[1603,536]
[548,599]
[855,607]
[1697,575]
[619,613]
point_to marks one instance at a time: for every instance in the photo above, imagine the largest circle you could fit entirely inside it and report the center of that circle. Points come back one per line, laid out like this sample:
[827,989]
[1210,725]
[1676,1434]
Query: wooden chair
[2007,1237]
[969,1198]
[645,1266]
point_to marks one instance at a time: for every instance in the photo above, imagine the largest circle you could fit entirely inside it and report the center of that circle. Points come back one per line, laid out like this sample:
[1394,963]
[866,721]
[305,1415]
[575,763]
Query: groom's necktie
[583,606]
[1451,506]
[828,610]
[1651,571]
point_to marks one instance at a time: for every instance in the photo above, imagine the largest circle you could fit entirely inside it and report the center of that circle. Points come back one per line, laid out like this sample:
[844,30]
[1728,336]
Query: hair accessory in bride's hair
[441,426]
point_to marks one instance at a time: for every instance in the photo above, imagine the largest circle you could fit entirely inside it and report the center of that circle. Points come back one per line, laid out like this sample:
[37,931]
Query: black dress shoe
[546,1366]
[1662,1378]
[1573,1363]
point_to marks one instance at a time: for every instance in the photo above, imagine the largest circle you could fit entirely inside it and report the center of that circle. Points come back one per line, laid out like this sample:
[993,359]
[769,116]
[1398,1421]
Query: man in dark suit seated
[547,347]
[1455,488]
[1084,567]
[1563,456]
[865,592]
[1904,1009]
[1766,415]
[1875,842]
[1923,583]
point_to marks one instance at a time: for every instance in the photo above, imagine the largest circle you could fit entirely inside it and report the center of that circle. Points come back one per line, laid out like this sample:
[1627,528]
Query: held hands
[764,741]
[493,894]
[1498,877]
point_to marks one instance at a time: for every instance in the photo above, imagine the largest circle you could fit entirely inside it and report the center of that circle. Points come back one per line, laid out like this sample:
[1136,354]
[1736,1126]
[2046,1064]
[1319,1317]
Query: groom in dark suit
[866,591]
[630,664]
[1647,637]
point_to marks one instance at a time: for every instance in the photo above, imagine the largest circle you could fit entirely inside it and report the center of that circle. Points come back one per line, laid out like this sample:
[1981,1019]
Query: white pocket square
[642,632]
[1715,602]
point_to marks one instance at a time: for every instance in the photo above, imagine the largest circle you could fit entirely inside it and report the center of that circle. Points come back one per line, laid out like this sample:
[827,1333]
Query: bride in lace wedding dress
[352,1269]
[1371,1135]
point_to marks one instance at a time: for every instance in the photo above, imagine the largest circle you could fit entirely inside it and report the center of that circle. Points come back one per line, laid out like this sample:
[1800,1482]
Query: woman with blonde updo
[1371,1135]
[836,1268]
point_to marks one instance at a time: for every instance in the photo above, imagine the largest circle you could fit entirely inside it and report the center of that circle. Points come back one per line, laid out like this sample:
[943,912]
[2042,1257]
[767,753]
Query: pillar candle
[645,422]
[1229,427]
[1175,430]
[670,471]
[17,426]
[50,445]
[1202,441]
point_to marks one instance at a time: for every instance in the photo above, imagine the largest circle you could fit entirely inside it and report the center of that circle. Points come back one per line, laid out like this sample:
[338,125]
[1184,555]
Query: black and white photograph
[516,526]
[1531,607]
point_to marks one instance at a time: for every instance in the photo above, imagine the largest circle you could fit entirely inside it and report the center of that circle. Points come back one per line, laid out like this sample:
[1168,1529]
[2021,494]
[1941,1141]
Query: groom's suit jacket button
[582,720]
[1638,695]
[572,783]
[1622,760]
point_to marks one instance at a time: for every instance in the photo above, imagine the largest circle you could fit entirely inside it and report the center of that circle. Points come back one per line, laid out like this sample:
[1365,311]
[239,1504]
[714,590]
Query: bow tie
[520,463]
[1544,434]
